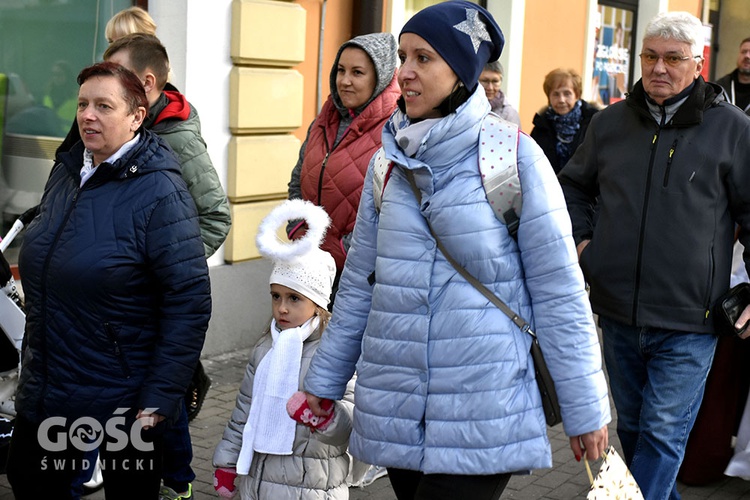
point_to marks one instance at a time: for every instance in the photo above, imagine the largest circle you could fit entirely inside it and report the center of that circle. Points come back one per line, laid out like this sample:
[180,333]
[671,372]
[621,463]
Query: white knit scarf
[269,428]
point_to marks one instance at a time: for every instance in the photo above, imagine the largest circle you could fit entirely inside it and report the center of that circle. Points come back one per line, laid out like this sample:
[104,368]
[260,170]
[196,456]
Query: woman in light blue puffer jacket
[445,381]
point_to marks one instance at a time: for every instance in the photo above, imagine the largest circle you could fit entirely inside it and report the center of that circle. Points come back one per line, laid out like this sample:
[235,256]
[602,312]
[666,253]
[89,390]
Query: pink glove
[300,411]
[224,482]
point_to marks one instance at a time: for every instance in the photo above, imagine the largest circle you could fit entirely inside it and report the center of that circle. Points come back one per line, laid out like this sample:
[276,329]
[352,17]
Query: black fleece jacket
[669,196]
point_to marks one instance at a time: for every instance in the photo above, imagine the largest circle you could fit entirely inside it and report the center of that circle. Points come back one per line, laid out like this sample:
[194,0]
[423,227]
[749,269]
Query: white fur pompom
[270,246]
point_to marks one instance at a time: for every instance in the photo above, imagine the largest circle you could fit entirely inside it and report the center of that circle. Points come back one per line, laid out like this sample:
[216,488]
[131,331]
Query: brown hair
[558,76]
[146,53]
[133,92]
[127,21]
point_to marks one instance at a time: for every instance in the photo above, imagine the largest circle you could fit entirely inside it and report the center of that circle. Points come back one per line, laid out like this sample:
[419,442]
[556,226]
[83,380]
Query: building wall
[553,37]
[276,87]
[695,7]
[200,68]
[337,30]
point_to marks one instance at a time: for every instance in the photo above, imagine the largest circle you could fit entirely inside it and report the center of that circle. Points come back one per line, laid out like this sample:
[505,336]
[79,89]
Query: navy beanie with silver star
[463,33]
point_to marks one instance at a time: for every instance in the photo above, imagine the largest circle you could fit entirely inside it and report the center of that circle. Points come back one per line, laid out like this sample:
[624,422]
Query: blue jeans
[657,378]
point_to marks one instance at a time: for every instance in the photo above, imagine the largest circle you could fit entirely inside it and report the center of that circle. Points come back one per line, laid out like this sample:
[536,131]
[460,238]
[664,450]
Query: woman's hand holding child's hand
[224,482]
[310,410]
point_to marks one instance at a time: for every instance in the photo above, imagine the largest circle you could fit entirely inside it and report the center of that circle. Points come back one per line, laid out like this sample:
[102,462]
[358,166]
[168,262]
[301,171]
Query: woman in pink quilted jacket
[345,135]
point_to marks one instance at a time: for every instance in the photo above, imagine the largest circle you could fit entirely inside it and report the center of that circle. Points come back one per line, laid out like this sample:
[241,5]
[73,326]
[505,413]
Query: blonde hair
[325,318]
[128,21]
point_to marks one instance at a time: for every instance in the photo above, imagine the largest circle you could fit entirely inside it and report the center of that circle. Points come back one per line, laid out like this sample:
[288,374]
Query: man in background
[737,83]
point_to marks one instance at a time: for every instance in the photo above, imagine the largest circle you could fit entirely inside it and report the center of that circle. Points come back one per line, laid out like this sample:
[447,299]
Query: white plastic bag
[614,479]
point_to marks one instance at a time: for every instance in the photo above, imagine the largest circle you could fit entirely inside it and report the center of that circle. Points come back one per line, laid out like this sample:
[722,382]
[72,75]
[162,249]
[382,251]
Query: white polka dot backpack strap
[498,147]
[381,171]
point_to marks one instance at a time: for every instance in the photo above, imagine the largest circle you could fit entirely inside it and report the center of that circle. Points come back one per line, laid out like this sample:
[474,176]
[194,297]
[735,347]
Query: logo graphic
[87,433]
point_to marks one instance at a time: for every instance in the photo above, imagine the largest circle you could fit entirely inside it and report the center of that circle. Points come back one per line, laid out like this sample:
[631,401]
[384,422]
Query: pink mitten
[224,482]
[300,411]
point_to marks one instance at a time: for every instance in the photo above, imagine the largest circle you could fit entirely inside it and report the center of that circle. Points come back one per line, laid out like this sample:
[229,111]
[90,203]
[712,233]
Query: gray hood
[381,47]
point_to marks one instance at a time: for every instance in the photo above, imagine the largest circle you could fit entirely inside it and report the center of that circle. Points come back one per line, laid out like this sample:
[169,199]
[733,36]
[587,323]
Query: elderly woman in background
[491,79]
[117,301]
[560,126]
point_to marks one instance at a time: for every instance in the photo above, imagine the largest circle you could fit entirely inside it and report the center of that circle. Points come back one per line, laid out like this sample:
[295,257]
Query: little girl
[276,457]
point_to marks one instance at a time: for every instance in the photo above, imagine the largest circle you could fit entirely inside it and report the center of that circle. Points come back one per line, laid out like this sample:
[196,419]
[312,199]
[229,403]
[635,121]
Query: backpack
[498,148]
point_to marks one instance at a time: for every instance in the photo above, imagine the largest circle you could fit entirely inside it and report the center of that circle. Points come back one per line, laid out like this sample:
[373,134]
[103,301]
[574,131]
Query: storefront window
[612,58]
[43,46]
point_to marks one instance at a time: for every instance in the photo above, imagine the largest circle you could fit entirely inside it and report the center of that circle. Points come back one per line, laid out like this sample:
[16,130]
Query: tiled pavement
[566,480]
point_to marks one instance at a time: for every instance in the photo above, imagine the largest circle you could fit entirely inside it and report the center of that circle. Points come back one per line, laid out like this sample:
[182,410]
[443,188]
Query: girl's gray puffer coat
[318,466]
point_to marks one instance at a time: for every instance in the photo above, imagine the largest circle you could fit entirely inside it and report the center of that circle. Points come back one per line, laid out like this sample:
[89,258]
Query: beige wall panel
[246,217]
[264,100]
[267,32]
[260,166]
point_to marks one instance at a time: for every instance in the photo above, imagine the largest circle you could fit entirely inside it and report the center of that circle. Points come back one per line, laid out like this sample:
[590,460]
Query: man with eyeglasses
[671,166]
[737,83]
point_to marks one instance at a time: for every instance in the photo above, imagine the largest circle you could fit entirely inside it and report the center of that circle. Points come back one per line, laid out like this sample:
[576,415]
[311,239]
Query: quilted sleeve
[561,311]
[205,187]
[337,434]
[580,185]
[176,258]
[333,364]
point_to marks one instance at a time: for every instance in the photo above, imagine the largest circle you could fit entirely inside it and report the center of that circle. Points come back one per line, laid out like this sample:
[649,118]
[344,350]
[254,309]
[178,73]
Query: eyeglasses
[670,60]
[490,83]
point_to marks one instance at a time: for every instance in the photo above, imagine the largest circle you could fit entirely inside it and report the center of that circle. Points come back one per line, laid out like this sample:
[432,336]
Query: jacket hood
[171,106]
[150,154]
[381,48]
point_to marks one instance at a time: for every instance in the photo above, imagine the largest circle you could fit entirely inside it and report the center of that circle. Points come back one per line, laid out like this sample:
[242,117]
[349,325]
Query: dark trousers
[178,454]
[35,472]
[415,485]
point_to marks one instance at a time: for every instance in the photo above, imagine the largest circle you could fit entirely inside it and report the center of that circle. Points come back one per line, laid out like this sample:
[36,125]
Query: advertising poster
[613,54]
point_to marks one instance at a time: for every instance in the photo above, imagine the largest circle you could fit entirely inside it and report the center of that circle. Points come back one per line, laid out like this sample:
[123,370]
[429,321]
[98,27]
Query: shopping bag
[614,479]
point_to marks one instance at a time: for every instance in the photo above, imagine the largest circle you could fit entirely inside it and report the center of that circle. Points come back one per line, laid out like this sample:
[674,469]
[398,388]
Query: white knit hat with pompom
[300,264]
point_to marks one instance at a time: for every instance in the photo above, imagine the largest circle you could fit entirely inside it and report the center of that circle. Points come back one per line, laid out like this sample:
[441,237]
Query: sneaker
[167,493]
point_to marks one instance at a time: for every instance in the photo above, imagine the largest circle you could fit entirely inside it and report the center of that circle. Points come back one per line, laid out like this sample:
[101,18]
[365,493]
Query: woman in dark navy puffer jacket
[117,296]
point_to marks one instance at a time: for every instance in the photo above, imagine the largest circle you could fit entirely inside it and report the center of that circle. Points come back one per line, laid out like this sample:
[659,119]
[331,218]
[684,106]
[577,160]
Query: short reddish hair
[133,92]
[558,76]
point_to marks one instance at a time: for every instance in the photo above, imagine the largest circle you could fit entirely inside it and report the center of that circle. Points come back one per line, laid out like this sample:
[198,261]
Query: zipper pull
[671,152]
